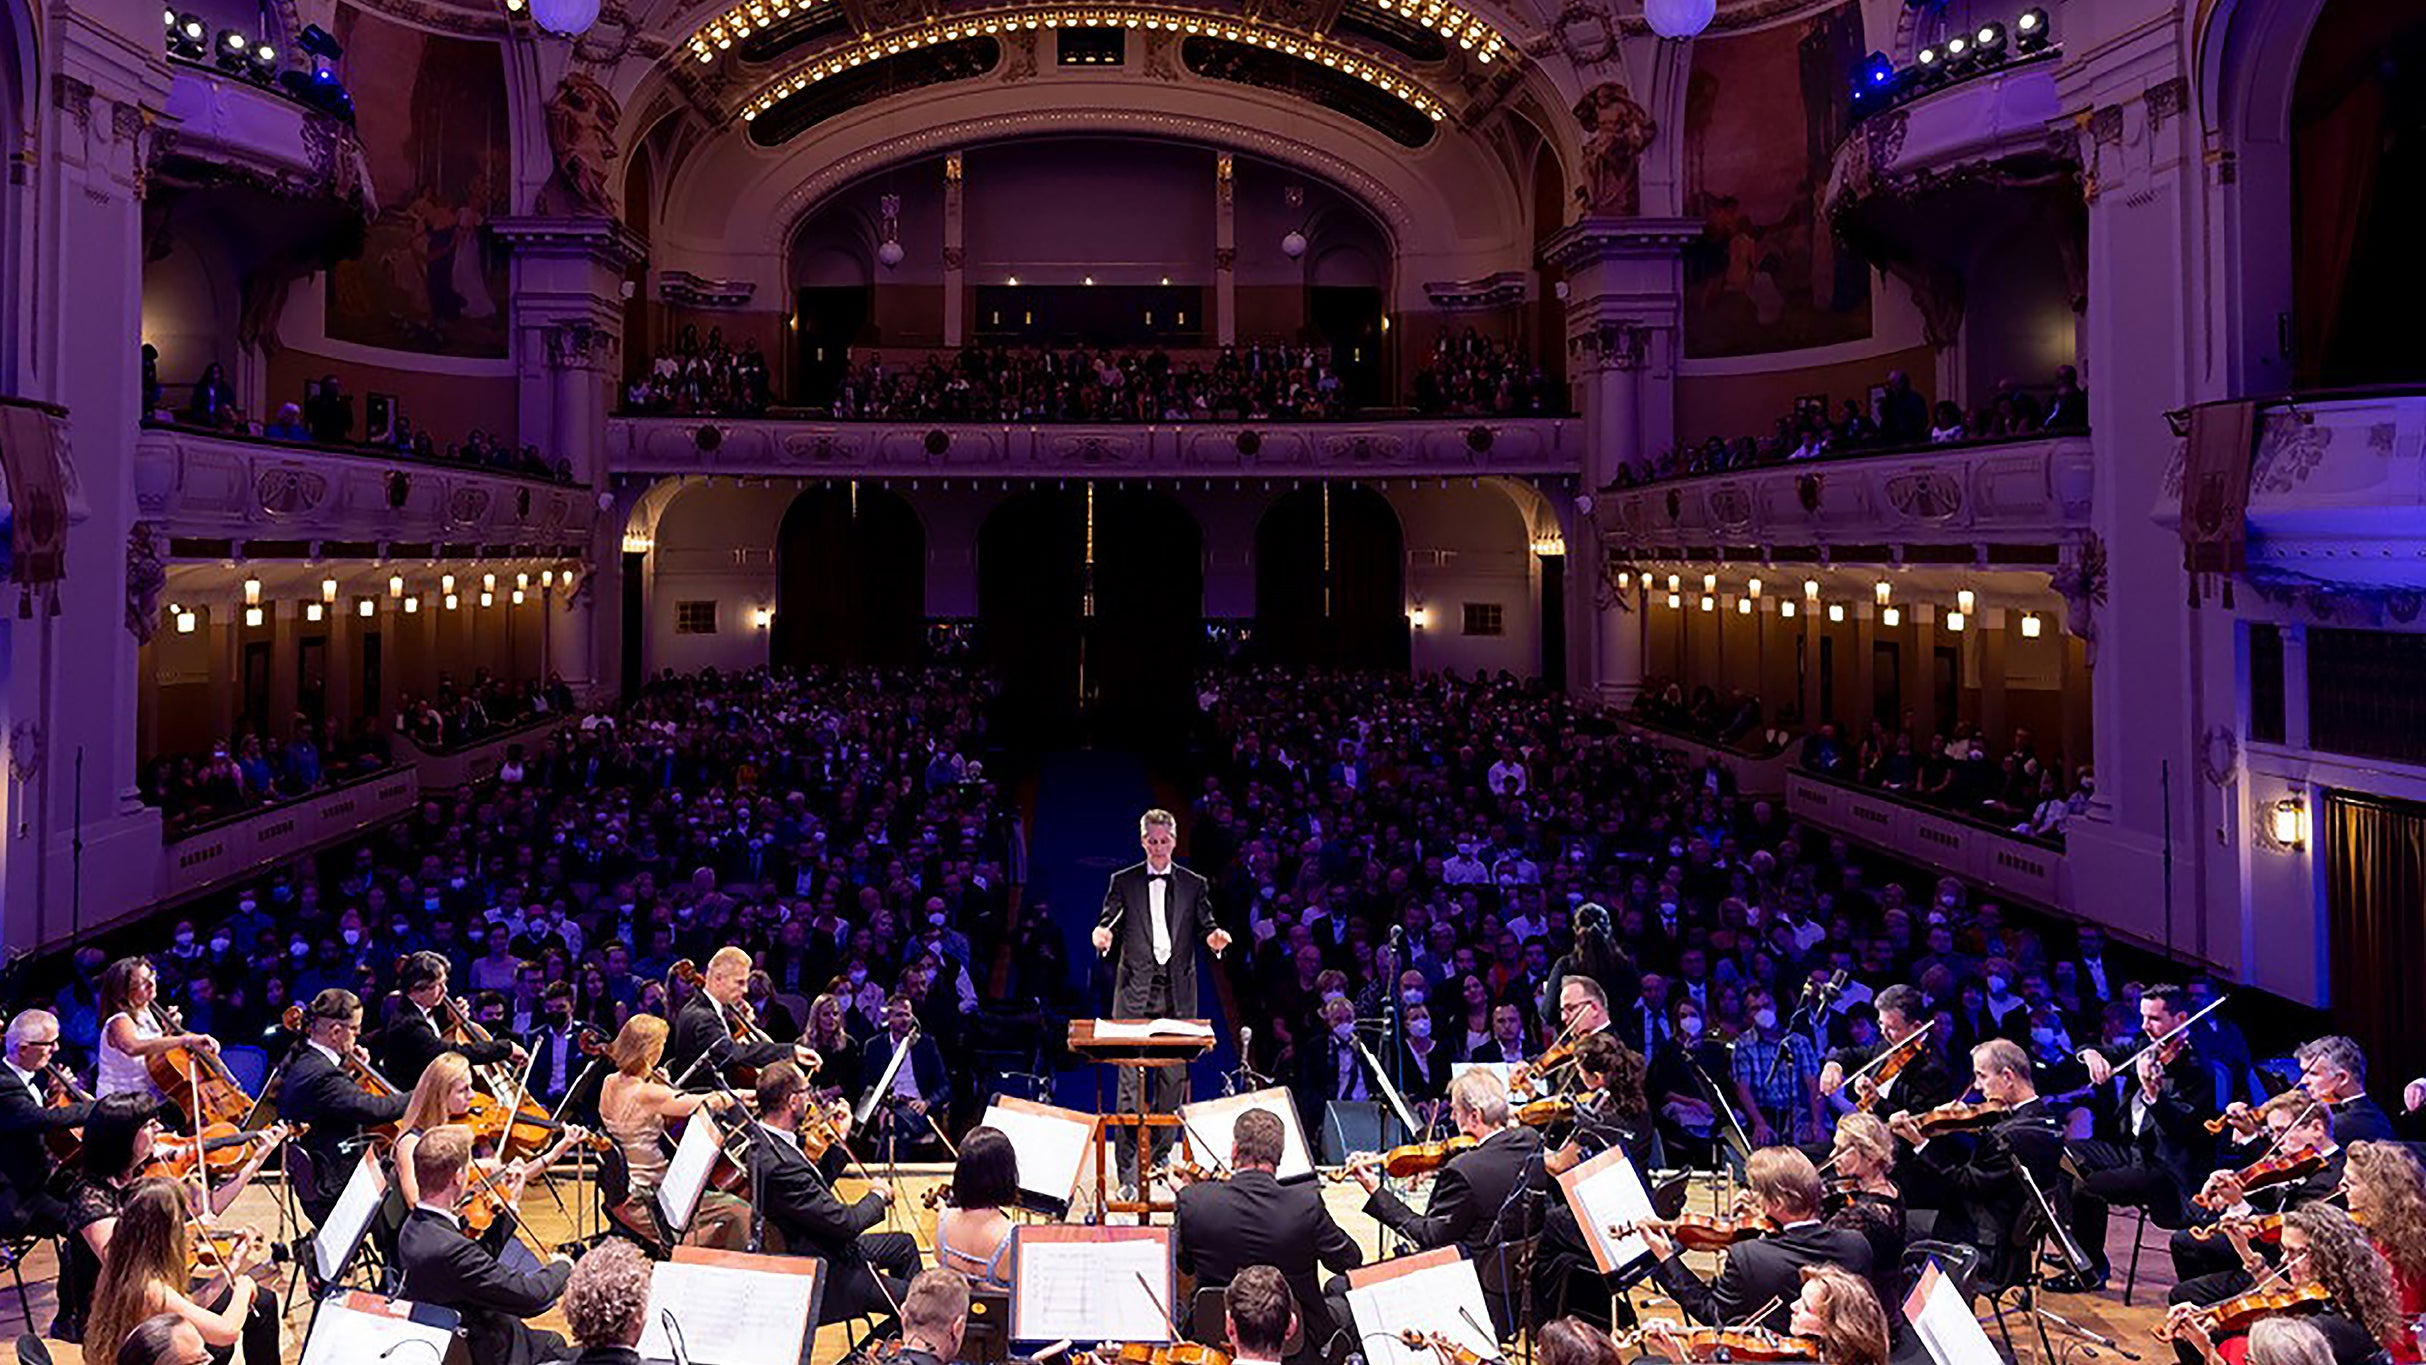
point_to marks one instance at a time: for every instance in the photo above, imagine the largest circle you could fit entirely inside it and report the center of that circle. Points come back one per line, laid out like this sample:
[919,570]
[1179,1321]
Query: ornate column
[568,324]
[1624,279]
[1225,249]
[955,257]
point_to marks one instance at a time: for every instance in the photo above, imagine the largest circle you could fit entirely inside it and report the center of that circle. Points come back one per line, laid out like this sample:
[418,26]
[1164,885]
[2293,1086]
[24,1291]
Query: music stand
[686,1173]
[1091,1284]
[1431,1291]
[741,1309]
[1052,1145]
[339,1239]
[1141,1045]
[1210,1123]
[353,1326]
[1945,1325]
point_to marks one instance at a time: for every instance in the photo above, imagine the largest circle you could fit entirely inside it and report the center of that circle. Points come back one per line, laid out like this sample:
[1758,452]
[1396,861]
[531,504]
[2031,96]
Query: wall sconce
[253,616]
[1675,582]
[1419,616]
[2288,822]
[517,597]
[637,543]
[446,584]
[521,581]
[1836,613]
[1954,622]
[1709,582]
[1811,590]
[311,612]
[488,582]
[762,617]
[412,605]
[186,621]
[547,578]
[1891,617]
[1785,609]
[452,601]
[1880,591]
[1675,601]
[395,585]
[2031,626]
[1743,606]
[1625,580]
[1709,603]
[328,591]
[366,608]
[1752,588]
[1964,601]
[487,598]
[252,593]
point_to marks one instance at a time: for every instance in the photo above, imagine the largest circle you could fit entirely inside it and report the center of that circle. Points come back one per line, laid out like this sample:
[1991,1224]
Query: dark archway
[1361,620]
[1127,667]
[2358,138]
[851,579]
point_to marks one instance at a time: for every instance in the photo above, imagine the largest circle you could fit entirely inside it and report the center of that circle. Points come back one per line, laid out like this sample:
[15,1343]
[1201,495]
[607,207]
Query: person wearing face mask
[1776,1076]
[555,1045]
[1423,1067]
[1686,1077]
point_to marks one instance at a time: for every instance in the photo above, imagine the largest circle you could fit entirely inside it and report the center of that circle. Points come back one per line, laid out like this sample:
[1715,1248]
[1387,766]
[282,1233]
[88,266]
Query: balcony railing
[218,122]
[227,850]
[213,485]
[2033,489]
[1439,446]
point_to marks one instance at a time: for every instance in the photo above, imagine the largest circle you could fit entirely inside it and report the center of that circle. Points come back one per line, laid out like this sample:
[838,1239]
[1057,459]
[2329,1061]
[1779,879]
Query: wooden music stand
[1142,1054]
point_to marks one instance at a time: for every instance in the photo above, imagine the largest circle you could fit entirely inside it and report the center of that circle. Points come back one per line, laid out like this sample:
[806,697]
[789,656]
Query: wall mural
[1764,113]
[432,116]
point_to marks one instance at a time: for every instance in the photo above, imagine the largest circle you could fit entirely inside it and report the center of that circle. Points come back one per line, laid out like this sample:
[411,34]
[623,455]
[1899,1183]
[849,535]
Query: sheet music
[1210,1124]
[1050,1147]
[345,1336]
[1138,1031]
[1089,1290]
[1606,1190]
[728,1316]
[686,1174]
[1945,1324]
[1447,1299]
[356,1205]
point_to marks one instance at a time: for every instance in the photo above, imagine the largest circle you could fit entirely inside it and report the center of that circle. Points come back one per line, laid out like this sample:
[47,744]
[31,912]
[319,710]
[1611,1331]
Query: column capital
[1592,240]
[601,240]
[580,344]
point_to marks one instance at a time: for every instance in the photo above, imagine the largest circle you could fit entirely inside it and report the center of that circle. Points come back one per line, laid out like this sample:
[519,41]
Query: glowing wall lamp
[2288,822]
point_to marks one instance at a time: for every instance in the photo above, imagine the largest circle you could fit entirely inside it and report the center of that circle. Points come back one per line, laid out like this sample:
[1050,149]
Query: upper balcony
[2336,485]
[1424,447]
[213,486]
[222,128]
[2029,492]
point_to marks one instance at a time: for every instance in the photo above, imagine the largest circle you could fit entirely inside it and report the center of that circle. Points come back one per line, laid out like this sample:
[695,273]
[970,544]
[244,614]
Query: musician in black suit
[1610,1111]
[606,1303]
[934,1318]
[1785,1189]
[706,1021]
[26,1123]
[921,1087]
[2334,1069]
[1155,910]
[1483,1198]
[440,1265]
[2208,1268]
[315,1089]
[1224,1226]
[413,1037]
[1924,1082]
[866,1271]
[1978,1190]
[2158,1144]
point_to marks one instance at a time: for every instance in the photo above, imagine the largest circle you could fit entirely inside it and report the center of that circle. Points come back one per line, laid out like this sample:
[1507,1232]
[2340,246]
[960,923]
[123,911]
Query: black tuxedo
[1923,1084]
[801,1207]
[2360,1119]
[698,1027]
[2208,1270]
[410,1042]
[313,1090]
[1223,1226]
[607,1355]
[2155,1155]
[1141,987]
[1472,1207]
[1984,1200]
[26,1203]
[1762,1270]
[442,1266]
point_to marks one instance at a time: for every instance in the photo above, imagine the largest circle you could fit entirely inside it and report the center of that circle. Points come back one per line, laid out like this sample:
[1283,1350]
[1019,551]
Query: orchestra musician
[1610,1112]
[413,1037]
[2334,1069]
[117,1142]
[150,1269]
[634,1105]
[165,1339]
[985,1184]
[606,1303]
[1837,1309]
[1251,1219]
[134,1030]
[1980,1195]
[1583,1010]
[934,1317]
[27,1122]
[1470,1206]
[1785,1189]
[1923,1083]
[2158,1138]
[2386,1192]
[441,1263]
[867,1270]
[2323,1250]
[706,1023]
[1157,910]
[1863,1198]
[1257,1311]
[318,1090]
[2205,1266]
[1571,1341]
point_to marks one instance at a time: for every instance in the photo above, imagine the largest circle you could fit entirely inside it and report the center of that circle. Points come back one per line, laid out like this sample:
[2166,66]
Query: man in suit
[920,1087]
[1155,909]
[706,1021]
[555,1045]
[1256,1311]
[867,1271]
[2334,1069]
[1482,1198]
[27,1205]
[315,1089]
[934,1317]
[1980,1195]
[1785,1189]
[1224,1226]
[2208,1268]
[412,1038]
[439,1265]
[606,1303]
[1922,1084]
[2159,1140]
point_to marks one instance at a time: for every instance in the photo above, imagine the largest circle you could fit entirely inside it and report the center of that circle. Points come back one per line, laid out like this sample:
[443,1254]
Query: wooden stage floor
[550,1225]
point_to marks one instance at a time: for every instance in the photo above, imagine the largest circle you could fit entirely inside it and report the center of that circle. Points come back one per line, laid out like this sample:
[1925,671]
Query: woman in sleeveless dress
[973,1236]
[133,1030]
[635,1104]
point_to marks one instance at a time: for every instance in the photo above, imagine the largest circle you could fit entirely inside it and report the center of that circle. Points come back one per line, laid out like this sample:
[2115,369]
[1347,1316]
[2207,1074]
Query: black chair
[615,1196]
[13,1252]
[988,1338]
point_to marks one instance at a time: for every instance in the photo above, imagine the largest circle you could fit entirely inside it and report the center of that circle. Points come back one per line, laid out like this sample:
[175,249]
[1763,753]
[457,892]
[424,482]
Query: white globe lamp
[889,254]
[1293,244]
[566,18]
[1679,19]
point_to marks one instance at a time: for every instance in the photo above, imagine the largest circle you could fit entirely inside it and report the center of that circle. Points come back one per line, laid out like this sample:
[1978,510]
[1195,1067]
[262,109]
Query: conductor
[1155,908]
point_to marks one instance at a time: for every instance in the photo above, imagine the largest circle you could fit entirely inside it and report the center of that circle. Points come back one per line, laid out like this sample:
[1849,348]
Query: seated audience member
[606,1304]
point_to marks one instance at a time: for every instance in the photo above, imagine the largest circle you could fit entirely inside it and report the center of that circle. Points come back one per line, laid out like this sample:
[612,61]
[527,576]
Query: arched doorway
[1330,572]
[1124,669]
[851,579]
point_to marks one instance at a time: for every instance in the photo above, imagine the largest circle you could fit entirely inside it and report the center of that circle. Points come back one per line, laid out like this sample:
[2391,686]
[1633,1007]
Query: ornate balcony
[221,129]
[1443,447]
[204,485]
[2034,492]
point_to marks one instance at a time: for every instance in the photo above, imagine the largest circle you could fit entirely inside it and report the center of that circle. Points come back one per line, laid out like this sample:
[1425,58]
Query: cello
[197,1080]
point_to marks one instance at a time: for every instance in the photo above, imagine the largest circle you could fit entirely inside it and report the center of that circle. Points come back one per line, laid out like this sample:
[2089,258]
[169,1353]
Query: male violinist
[2214,1267]
[1922,1083]
[1981,1197]
[2158,1136]
[317,1090]
[934,1318]
[27,1120]
[867,1270]
[1768,1269]
[1250,1219]
[441,1265]
[414,1038]
[709,1020]
[1474,1204]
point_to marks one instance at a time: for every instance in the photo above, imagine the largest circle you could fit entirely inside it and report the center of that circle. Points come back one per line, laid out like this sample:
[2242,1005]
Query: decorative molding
[686,290]
[1595,238]
[1491,291]
[2167,99]
[580,345]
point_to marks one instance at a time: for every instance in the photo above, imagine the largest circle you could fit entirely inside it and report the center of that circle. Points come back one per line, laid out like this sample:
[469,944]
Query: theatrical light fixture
[320,43]
[265,62]
[1954,622]
[2030,31]
[1965,600]
[2031,625]
[1989,42]
[235,50]
[1891,617]
[1878,70]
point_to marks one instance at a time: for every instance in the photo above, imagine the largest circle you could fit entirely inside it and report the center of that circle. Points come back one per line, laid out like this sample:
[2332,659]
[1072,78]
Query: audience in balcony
[1903,418]
[251,771]
[1469,375]
[703,377]
[457,715]
[1261,382]
[213,401]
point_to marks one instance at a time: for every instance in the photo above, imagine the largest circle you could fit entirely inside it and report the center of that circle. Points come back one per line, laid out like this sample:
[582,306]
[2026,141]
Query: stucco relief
[2289,450]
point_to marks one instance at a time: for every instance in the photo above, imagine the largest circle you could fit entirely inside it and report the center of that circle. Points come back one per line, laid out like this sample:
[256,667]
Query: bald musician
[706,1022]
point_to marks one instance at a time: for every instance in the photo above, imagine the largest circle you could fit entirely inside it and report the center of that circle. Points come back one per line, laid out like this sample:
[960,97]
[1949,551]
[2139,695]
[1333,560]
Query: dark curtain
[851,583]
[2375,893]
[2335,154]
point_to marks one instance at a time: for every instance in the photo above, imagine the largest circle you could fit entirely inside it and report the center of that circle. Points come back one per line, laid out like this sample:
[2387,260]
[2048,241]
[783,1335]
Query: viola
[1415,1158]
[1450,1350]
[65,1143]
[362,1072]
[1700,1231]
[1723,1343]
[2274,1168]
[1543,1112]
[197,1081]
[1956,1116]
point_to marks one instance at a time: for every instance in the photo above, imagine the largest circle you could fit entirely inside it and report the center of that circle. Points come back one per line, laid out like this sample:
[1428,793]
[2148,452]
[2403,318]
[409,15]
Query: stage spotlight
[1878,70]
[189,37]
[319,43]
[1929,66]
[2030,31]
[1989,43]
[1958,56]
[235,50]
[265,63]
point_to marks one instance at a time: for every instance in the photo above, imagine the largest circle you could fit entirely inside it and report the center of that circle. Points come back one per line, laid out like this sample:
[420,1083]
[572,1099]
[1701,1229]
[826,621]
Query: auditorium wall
[1749,402]
[1470,546]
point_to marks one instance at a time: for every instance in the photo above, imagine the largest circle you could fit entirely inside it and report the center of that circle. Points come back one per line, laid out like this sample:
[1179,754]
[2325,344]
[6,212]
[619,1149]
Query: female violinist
[443,1096]
[1837,1310]
[117,1142]
[1862,1197]
[1571,1341]
[151,1269]
[634,1104]
[134,1029]
[2328,1264]
[985,1181]
[2386,1192]
[1610,1108]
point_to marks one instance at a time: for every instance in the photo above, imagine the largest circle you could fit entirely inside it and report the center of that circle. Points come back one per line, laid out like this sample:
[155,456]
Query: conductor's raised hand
[1218,941]
[1103,939]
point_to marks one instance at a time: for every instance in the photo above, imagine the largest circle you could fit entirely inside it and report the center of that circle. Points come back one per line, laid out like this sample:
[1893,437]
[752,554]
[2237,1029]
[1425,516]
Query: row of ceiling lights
[1890,615]
[1459,26]
[185,618]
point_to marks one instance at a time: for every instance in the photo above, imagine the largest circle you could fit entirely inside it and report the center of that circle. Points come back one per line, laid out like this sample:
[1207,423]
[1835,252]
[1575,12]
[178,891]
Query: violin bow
[1756,1314]
[1156,1300]
[2172,1033]
[1918,1031]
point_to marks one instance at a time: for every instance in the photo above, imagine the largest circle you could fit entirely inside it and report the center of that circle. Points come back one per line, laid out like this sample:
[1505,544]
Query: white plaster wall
[713,543]
[1493,562]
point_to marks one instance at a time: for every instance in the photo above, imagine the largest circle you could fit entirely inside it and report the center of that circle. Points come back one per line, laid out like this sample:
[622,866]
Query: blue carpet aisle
[1087,804]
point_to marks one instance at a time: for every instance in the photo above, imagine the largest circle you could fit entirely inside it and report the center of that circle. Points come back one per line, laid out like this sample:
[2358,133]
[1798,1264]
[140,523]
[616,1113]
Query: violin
[1143,1353]
[2274,1168]
[218,1148]
[2264,1227]
[1957,1116]
[1887,1066]
[1413,1159]
[2236,1314]
[1700,1231]
[1722,1343]
[1188,1172]
[197,1080]
[1451,1351]
[1543,1112]
[1529,1076]
[65,1143]
[2240,1118]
